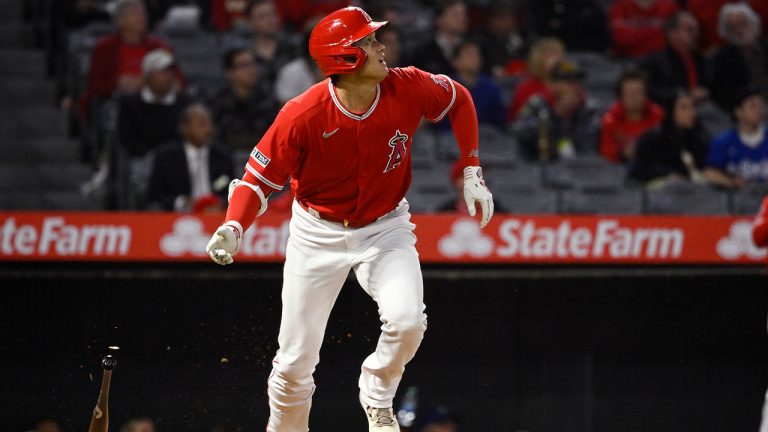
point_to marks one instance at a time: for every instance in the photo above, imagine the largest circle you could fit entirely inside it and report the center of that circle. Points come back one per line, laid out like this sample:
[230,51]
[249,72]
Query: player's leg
[315,270]
[391,275]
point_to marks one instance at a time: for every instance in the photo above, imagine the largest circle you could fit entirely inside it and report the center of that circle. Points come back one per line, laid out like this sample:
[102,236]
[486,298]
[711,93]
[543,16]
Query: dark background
[507,349]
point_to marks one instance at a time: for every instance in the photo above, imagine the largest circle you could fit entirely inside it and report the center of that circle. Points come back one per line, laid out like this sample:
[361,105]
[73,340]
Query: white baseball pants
[318,258]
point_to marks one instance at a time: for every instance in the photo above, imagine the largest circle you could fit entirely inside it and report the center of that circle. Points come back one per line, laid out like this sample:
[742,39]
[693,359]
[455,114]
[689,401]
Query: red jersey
[356,167]
[618,131]
[637,31]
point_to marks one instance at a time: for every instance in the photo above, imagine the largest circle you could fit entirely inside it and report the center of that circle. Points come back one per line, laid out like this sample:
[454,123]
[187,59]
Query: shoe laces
[381,416]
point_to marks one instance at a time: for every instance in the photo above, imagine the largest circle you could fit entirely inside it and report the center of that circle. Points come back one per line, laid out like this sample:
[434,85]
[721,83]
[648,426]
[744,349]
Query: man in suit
[192,172]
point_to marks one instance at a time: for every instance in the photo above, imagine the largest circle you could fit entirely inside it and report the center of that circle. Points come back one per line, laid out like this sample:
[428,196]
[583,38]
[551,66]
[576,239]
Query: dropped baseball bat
[100,418]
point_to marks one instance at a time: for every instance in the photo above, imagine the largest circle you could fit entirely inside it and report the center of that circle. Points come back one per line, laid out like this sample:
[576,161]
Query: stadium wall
[521,348]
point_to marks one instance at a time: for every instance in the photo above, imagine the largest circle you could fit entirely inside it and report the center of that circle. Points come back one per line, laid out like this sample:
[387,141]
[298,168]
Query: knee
[406,327]
[295,369]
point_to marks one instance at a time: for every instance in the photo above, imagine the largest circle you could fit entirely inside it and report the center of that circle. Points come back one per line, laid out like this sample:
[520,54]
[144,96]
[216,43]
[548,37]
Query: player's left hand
[475,191]
[224,244]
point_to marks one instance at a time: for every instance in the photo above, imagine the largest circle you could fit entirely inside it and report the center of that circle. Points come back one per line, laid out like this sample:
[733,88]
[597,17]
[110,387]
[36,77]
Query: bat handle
[100,417]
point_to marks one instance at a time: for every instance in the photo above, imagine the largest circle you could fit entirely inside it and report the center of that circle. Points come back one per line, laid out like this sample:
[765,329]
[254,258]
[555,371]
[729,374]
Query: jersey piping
[262,178]
[355,116]
[448,108]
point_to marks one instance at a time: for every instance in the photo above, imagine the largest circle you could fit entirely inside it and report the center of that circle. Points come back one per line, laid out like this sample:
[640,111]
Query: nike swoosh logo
[327,135]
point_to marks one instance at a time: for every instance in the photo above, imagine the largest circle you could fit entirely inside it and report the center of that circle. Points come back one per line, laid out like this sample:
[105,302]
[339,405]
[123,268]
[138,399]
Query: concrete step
[38,150]
[22,63]
[39,200]
[15,34]
[32,122]
[24,92]
[48,176]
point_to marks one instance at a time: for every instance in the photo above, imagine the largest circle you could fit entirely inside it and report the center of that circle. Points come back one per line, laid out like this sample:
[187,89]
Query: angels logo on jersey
[397,142]
[441,80]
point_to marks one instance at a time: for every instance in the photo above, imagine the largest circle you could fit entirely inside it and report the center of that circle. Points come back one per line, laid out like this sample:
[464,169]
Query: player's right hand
[224,244]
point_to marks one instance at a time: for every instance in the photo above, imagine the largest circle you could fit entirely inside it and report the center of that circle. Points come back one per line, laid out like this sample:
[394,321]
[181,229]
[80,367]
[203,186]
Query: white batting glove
[475,191]
[224,243]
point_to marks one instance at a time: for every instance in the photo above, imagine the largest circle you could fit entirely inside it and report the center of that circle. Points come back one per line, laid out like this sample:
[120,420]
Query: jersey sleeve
[437,93]
[717,157]
[277,154]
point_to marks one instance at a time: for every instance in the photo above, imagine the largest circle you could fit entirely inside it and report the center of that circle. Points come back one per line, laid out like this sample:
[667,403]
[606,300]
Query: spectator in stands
[46,424]
[628,118]
[71,15]
[149,118]
[504,42]
[675,150]
[637,26]
[139,424]
[580,23]
[192,171]
[457,204]
[743,60]
[301,73]
[486,94]
[707,13]
[262,33]
[226,14]
[563,127]
[116,60]
[544,55]
[679,65]
[740,155]
[451,25]
[297,13]
[244,108]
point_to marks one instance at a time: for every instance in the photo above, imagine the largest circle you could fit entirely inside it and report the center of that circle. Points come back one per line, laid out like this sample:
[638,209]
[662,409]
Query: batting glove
[475,191]
[224,243]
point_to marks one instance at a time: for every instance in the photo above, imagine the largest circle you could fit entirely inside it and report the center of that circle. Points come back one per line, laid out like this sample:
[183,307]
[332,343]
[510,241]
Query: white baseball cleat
[381,419]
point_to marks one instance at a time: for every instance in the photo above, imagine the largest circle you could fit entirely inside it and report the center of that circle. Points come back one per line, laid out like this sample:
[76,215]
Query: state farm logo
[739,243]
[525,238]
[187,237]
[466,238]
[58,237]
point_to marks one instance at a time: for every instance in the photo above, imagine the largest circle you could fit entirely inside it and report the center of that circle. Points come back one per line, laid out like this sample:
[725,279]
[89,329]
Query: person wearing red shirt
[627,118]
[226,14]
[545,54]
[345,145]
[707,13]
[760,227]
[637,26]
[116,59]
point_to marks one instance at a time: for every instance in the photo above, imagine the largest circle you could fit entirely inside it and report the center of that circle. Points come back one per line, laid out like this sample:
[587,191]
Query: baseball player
[345,144]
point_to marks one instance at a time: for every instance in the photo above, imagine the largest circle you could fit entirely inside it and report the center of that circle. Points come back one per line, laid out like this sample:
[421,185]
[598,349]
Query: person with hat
[345,144]
[740,154]
[148,119]
[568,119]
[116,60]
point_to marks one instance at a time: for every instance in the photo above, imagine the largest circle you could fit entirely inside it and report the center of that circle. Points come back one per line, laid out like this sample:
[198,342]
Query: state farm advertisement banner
[62,236]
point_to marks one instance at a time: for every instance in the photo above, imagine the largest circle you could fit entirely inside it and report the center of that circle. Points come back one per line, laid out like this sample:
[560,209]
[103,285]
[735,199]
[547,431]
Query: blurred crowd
[167,98]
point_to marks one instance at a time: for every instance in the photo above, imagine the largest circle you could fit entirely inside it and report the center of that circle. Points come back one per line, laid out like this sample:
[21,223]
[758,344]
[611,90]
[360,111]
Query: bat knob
[108,362]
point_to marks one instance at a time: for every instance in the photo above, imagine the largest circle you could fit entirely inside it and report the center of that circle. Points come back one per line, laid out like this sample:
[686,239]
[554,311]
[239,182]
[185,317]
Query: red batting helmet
[330,43]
